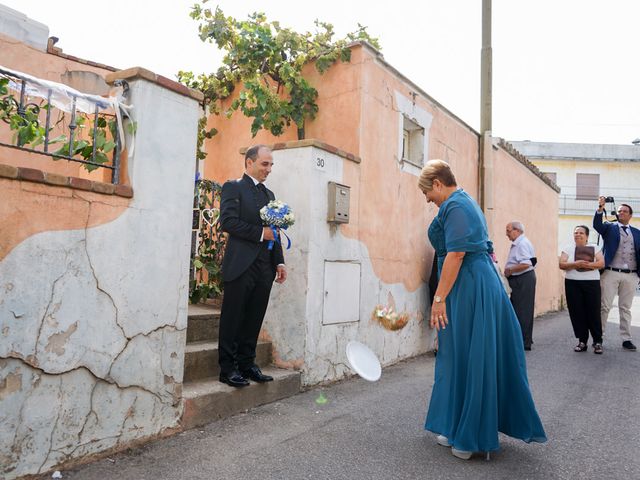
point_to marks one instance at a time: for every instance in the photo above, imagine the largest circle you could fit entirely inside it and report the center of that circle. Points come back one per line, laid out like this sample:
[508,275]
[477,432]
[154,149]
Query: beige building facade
[584,172]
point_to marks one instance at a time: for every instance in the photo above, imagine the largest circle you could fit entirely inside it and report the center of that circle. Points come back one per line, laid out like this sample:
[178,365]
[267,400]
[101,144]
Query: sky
[563,70]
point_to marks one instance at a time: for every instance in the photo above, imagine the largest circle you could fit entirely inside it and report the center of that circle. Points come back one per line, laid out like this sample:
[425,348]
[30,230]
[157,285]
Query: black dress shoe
[628,345]
[234,379]
[256,375]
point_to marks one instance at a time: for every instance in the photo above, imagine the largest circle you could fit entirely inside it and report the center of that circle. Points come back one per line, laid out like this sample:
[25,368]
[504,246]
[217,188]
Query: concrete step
[201,359]
[203,323]
[208,400]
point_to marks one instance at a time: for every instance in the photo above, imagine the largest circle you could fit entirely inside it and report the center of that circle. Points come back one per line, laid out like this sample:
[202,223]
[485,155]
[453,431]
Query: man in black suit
[248,269]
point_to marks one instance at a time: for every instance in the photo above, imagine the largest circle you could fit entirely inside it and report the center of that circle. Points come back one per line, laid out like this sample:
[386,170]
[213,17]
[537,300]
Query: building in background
[583,172]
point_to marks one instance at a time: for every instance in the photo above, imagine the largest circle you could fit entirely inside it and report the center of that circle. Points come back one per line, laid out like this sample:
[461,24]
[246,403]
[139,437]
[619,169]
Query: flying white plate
[363,361]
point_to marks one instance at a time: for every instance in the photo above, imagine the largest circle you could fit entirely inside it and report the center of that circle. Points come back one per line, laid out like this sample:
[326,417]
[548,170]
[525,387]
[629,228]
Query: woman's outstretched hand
[439,316]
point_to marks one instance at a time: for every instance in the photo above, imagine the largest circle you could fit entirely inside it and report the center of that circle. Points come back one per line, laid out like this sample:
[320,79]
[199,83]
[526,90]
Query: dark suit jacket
[240,205]
[611,236]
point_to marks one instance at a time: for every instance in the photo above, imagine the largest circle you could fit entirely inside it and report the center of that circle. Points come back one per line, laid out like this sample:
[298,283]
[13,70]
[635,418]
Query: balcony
[571,204]
[60,123]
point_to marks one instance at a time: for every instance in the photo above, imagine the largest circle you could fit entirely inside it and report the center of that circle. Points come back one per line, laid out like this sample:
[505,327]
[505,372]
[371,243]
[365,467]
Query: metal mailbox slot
[338,203]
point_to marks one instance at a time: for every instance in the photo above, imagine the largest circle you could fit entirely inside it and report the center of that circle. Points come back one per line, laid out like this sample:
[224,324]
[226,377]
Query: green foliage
[267,60]
[203,133]
[85,148]
[207,263]
[25,127]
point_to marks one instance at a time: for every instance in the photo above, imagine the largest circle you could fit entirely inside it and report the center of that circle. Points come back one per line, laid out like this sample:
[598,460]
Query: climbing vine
[266,61]
[207,262]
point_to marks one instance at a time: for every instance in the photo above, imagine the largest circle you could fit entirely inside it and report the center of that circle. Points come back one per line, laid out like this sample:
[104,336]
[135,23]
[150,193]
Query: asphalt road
[589,405]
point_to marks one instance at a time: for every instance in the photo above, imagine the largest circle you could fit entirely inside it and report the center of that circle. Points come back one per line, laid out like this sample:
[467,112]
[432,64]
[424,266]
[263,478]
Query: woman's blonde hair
[436,169]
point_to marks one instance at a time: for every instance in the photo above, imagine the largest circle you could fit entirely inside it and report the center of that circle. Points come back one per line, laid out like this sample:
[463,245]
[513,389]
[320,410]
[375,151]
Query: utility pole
[485,81]
[485,163]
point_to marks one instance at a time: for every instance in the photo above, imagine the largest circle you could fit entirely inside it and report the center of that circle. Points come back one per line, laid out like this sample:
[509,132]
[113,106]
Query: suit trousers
[621,284]
[243,307]
[583,300]
[523,296]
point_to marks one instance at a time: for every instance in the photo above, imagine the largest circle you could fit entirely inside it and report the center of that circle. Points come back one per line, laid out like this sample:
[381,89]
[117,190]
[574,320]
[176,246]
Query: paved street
[589,405]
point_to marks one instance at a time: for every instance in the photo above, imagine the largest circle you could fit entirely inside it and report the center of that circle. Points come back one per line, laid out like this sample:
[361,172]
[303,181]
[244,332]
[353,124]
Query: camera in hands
[613,210]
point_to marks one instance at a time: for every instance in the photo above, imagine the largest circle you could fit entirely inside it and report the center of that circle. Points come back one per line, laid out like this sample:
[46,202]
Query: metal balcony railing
[28,106]
[570,203]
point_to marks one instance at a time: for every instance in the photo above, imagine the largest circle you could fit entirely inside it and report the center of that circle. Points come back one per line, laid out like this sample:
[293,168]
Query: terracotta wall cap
[54,179]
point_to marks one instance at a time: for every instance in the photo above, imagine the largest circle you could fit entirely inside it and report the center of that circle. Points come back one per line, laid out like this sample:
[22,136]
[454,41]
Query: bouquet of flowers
[389,318]
[277,215]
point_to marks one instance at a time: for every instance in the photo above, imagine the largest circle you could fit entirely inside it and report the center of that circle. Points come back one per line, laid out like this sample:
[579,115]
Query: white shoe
[461,454]
[442,440]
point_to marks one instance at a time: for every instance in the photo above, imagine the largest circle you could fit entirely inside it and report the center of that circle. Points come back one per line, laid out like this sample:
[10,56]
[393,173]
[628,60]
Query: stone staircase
[205,398]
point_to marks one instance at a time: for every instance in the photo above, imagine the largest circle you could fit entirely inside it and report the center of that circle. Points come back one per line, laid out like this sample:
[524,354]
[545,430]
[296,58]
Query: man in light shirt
[621,262]
[519,270]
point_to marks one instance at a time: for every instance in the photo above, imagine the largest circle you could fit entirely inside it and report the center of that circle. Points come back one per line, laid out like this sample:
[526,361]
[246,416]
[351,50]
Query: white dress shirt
[521,252]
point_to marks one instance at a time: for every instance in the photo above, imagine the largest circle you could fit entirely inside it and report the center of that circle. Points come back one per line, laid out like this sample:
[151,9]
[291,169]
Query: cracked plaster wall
[93,320]
[294,320]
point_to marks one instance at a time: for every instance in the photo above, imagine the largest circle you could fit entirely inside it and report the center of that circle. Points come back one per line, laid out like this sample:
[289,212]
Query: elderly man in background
[519,270]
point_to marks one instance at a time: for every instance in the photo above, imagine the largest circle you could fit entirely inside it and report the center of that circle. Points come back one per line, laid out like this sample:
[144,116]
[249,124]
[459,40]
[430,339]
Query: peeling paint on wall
[10,384]
[58,341]
[93,300]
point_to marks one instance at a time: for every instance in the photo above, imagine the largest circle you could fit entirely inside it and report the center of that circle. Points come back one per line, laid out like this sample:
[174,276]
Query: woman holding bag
[581,261]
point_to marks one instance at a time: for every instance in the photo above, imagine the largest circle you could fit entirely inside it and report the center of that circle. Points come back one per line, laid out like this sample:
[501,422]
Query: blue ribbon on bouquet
[277,237]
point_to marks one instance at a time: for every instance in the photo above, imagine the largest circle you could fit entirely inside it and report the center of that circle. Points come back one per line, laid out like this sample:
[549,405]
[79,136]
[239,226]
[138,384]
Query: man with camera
[621,262]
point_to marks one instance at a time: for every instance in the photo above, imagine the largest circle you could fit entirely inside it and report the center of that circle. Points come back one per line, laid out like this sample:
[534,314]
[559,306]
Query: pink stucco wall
[358,114]
[393,213]
[519,195]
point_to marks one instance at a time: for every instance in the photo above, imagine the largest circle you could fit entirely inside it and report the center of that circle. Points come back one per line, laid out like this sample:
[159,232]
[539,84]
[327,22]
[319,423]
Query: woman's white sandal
[464,455]
[461,454]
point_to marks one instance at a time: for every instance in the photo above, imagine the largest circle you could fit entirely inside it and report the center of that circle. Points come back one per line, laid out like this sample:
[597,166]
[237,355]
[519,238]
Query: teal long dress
[481,384]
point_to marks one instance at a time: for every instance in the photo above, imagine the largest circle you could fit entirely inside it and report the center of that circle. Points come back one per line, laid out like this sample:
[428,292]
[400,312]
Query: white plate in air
[363,361]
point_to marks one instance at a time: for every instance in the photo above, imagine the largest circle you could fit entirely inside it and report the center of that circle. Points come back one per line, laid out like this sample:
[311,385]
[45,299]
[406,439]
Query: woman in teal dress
[481,385]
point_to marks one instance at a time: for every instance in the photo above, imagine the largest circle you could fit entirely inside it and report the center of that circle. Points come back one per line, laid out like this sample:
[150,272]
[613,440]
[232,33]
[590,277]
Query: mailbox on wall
[338,203]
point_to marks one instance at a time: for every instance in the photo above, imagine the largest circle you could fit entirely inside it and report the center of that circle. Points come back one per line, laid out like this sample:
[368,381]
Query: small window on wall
[551,176]
[587,186]
[412,143]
